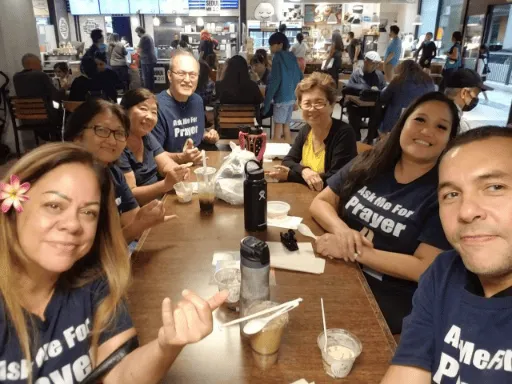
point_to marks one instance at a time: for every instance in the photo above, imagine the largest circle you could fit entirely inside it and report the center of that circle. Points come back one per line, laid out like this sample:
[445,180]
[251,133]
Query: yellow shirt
[312,159]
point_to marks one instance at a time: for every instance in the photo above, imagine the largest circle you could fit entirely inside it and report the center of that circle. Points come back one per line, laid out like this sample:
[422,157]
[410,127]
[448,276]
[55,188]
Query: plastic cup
[210,173]
[206,193]
[343,348]
[230,279]
[183,191]
[265,344]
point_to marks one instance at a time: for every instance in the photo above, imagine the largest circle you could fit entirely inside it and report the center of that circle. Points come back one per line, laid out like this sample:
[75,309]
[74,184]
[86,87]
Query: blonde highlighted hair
[318,80]
[107,259]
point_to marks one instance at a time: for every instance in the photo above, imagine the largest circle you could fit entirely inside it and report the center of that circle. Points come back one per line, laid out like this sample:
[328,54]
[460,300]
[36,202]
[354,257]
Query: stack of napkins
[303,260]
[276,150]
[288,222]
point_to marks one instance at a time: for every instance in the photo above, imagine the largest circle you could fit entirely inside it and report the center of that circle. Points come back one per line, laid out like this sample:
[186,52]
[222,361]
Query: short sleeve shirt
[63,338]
[457,335]
[125,201]
[395,46]
[146,172]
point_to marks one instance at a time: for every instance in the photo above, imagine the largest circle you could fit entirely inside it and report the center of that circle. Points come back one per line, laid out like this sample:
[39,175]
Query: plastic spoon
[306,231]
[256,325]
[325,326]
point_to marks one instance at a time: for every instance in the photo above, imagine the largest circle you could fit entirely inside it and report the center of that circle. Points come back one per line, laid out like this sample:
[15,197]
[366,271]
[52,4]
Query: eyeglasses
[119,135]
[316,106]
[182,74]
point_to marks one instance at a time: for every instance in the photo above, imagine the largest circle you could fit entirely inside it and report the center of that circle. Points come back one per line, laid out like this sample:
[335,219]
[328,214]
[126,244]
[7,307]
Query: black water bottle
[255,197]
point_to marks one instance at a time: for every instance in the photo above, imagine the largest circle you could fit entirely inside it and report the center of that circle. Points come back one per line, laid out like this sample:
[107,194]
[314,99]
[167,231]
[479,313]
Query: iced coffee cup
[265,344]
[206,191]
[342,350]
[230,279]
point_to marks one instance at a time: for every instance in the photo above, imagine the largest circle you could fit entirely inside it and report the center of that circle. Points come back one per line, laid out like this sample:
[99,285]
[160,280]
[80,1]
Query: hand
[280,173]
[211,136]
[191,320]
[191,155]
[189,144]
[175,175]
[347,245]
[151,214]
[312,179]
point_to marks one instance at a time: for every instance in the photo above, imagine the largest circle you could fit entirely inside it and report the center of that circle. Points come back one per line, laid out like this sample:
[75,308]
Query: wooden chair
[36,115]
[229,117]
[68,108]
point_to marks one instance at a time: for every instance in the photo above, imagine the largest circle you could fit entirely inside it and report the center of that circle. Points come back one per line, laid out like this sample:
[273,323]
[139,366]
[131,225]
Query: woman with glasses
[325,144]
[102,129]
[149,170]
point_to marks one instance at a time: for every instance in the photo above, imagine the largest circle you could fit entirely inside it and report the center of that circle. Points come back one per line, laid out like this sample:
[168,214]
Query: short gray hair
[180,52]
[452,92]
[28,56]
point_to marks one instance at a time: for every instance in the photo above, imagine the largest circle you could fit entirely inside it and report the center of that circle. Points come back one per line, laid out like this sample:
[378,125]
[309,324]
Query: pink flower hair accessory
[13,194]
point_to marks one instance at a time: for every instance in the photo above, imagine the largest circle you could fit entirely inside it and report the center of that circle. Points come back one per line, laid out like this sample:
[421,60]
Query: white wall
[404,15]
[18,35]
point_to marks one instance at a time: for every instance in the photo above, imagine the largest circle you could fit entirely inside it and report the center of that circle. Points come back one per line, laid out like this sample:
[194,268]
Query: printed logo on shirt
[76,371]
[185,127]
[470,355]
[357,206]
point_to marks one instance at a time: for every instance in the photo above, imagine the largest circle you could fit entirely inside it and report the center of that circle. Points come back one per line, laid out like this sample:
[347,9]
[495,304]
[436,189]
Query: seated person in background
[68,270]
[33,82]
[181,111]
[107,76]
[102,128]
[366,78]
[280,91]
[205,87]
[463,87]
[90,83]
[381,210]
[409,83]
[325,144]
[143,159]
[236,87]
[62,75]
[462,309]
[259,66]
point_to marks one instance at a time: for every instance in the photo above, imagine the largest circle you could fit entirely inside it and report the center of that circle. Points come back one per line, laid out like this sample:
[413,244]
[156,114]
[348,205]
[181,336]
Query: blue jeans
[148,76]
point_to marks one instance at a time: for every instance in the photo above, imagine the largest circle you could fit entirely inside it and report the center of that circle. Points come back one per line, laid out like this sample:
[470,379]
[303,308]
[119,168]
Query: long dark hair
[409,69]
[236,73]
[384,156]
[82,116]
[337,44]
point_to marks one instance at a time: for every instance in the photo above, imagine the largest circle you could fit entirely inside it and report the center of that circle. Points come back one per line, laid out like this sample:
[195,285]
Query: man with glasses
[463,87]
[181,123]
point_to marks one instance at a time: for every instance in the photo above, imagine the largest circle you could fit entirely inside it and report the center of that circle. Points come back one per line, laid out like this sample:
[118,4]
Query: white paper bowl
[277,209]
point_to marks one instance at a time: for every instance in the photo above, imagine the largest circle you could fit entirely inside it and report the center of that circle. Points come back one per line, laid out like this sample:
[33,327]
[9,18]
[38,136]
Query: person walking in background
[409,83]
[333,61]
[355,52]
[299,49]
[98,43]
[393,53]
[428,52]
[146,50]
[206,45]
[482,66]
[453,59]
[284,78]
[118,62]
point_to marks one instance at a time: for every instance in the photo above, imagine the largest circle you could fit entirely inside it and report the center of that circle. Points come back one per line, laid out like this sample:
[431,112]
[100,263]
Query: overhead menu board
[84,7]
[196,4]
[171,7]
[144,6]
[228,4]
[114,7]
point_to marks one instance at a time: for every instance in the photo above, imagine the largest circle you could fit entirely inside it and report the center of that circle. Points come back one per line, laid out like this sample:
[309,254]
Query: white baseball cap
[373,56]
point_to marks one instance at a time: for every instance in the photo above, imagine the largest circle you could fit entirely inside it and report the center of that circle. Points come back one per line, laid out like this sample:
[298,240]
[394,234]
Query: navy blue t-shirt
[179,121]
[125,200]
[63,339]
[401,217]
[458,336]
[146,173]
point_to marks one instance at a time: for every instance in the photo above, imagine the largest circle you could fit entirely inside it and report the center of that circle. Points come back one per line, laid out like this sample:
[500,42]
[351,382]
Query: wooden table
[178,255]
[357,100]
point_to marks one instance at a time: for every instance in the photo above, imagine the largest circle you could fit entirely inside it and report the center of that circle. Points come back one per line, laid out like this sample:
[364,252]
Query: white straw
[263,312]
[203,154]
[325,327]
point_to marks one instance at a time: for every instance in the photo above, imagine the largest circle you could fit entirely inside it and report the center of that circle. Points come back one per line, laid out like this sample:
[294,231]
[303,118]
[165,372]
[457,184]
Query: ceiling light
[179,22]
[135,21]
[200,21]
[375,18]
[417,20]
[156,21]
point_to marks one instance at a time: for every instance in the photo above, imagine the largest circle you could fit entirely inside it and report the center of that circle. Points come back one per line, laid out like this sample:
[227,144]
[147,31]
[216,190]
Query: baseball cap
[373,56]
[466,78]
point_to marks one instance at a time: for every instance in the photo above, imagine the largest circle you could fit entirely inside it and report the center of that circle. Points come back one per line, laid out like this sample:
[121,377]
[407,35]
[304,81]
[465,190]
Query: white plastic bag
[229,181]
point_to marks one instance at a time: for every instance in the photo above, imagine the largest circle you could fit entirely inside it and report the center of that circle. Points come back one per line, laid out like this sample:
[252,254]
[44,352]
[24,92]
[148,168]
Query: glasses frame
[191,75]
[314,106]
[110,132]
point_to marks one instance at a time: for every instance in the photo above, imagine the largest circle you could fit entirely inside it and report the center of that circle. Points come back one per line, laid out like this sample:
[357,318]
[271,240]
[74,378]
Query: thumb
[170,217]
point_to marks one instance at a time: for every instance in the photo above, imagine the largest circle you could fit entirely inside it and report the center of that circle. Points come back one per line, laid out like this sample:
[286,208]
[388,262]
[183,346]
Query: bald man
[33,82]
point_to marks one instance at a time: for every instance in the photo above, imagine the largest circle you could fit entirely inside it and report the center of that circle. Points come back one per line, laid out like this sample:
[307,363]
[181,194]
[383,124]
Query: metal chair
[229,117]
[36,115]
